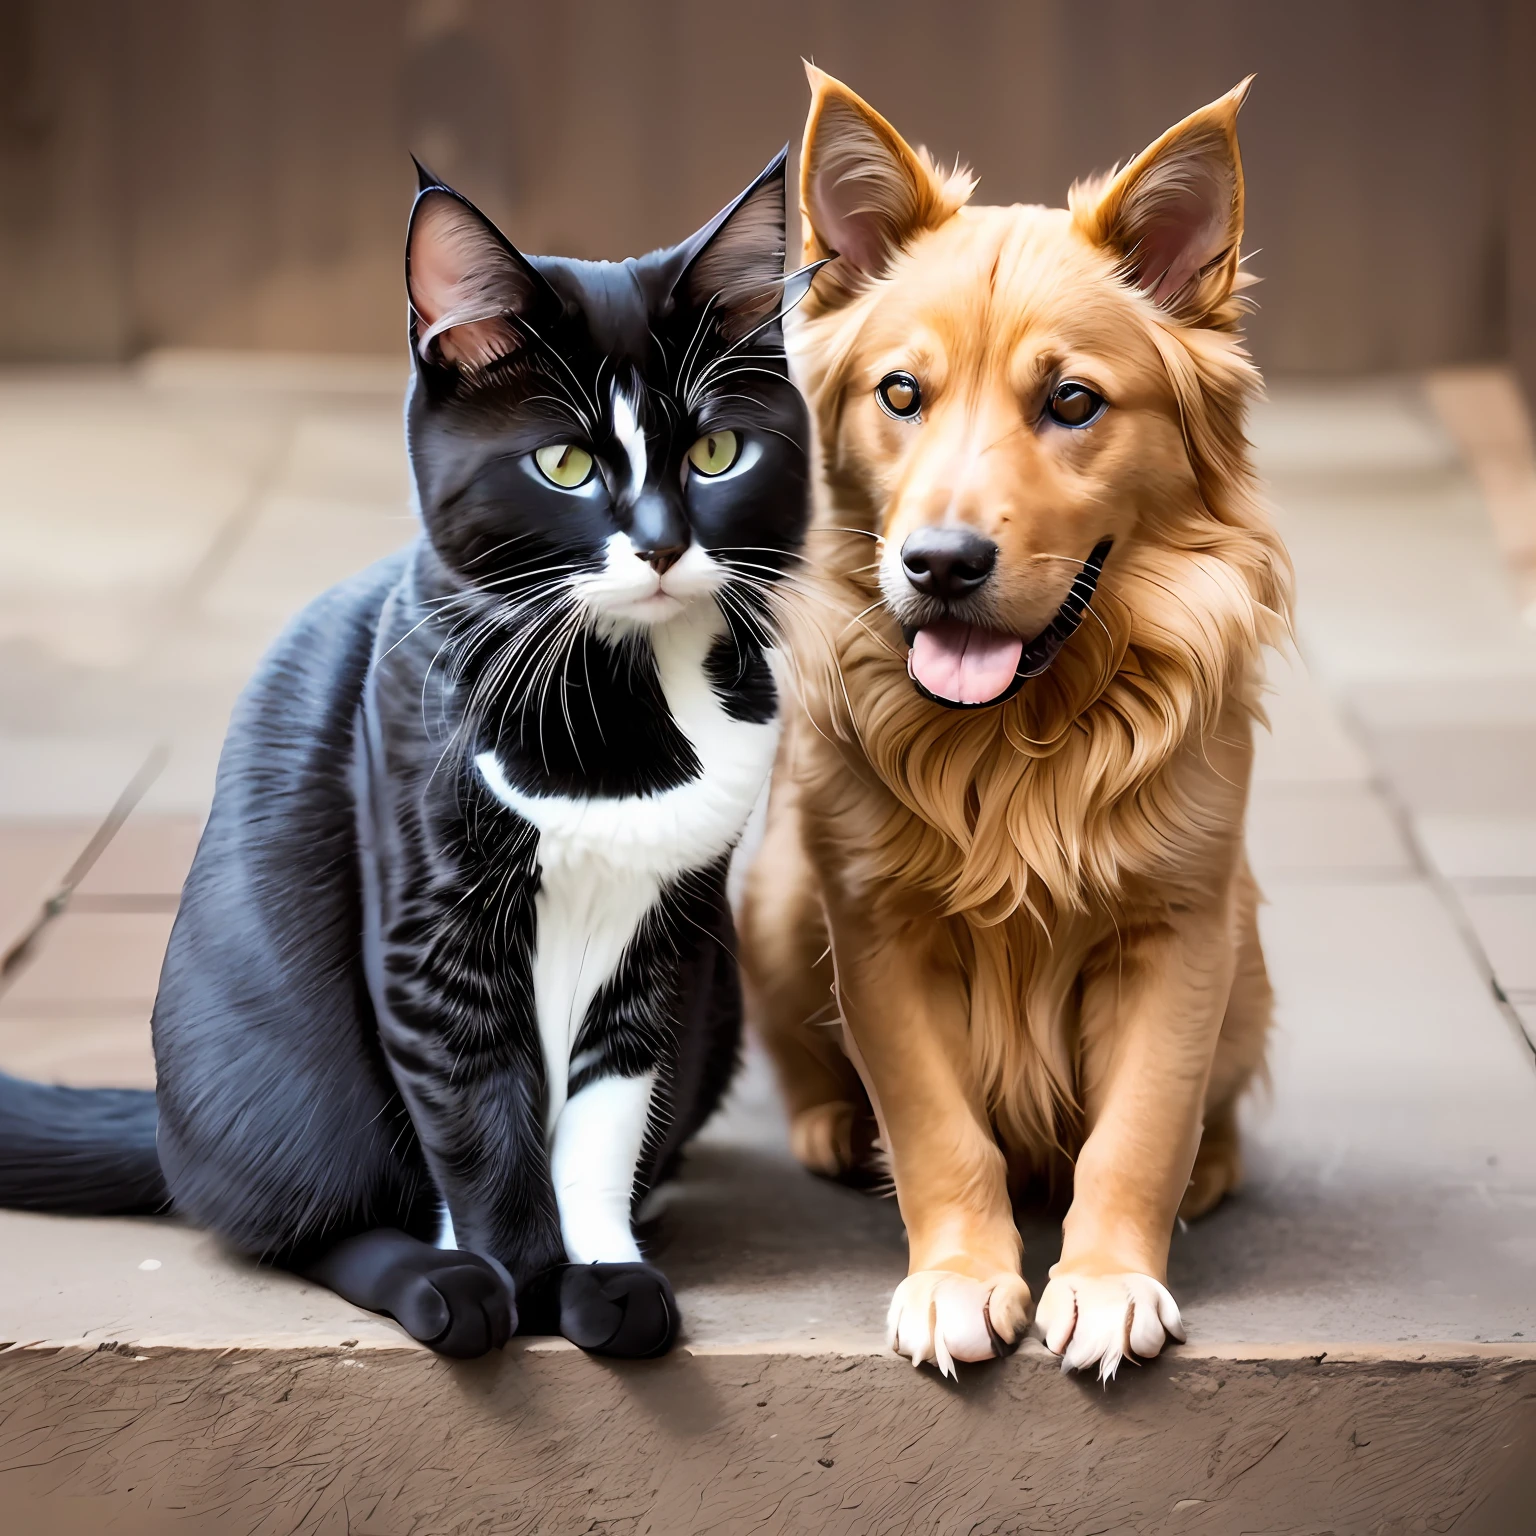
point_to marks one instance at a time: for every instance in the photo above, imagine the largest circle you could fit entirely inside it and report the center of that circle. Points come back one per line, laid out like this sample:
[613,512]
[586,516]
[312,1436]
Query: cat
[453,978]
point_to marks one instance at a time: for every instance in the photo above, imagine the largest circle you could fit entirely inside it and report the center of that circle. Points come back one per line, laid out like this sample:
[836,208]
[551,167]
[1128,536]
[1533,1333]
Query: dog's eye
[1074,405]
[714,453]
[565,464]
[899,395]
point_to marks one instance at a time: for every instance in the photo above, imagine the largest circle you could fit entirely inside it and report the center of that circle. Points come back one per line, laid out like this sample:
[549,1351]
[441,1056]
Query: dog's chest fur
[605,862]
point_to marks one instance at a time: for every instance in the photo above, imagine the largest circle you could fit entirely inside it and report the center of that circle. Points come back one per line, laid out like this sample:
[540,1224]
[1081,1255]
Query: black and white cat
[452,979]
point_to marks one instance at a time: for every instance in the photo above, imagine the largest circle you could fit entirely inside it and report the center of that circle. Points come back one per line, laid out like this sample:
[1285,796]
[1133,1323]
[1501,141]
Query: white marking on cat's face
[631,438]
[629,594]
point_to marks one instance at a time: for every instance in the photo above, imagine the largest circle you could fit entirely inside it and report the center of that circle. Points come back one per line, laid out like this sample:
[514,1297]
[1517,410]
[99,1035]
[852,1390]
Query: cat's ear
[864,191]
[465,279]
[735,265]
[1173,217]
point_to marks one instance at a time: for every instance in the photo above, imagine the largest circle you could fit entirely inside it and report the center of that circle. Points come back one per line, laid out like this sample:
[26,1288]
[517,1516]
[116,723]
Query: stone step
[379,1440]
[1362,1317]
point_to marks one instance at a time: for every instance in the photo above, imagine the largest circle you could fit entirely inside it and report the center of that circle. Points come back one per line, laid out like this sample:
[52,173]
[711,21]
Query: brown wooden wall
[233,172]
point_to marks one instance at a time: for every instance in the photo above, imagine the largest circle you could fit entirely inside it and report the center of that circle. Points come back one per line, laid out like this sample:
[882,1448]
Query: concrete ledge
[383,1440]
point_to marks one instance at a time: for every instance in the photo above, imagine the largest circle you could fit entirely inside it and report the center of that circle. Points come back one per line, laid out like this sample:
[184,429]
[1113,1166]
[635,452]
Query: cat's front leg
[598,1141]
[475,1117]
[607,1298]
[459,1304]
[534,1208]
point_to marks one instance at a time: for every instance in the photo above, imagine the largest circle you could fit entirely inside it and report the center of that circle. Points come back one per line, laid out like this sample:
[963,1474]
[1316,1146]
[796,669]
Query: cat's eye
[899,395]
[1074,405]
[714,453]
[565,464]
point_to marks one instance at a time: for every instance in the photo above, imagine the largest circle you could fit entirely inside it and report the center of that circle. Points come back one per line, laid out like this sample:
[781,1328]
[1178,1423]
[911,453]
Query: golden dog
[1005,846]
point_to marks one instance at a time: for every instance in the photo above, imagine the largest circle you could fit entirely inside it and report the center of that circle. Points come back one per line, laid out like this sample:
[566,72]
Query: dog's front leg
[903,1001]
[1150,1022]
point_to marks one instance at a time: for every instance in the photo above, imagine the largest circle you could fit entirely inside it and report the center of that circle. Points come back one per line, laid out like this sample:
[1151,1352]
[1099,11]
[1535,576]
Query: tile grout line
[226,542]
[16,957]
[1444,889]
[1494,442]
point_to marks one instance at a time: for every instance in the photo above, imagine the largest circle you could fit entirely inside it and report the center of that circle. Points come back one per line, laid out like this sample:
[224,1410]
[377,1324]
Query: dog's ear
[864,191]
[465,281]
[1174,216]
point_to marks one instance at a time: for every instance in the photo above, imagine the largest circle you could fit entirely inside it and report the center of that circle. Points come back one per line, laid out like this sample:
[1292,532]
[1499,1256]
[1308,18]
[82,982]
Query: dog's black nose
[947,562]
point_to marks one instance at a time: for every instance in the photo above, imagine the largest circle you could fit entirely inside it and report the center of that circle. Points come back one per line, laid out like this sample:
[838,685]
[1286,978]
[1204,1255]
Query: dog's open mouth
[964,666]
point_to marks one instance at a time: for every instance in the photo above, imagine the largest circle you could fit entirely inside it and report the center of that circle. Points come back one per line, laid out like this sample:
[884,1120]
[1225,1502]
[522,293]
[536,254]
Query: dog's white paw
[938,1317]
[1100,1319]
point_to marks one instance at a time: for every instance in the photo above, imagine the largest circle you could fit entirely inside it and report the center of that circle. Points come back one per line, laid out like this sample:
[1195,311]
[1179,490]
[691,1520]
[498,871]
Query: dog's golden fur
[1034,920]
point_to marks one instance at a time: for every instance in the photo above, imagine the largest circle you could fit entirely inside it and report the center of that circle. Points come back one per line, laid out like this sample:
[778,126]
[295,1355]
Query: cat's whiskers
[562,668]
[591,416]
[694,350]
[462,640]
[863,533]
[473,711]
[706,383]
[563,402]
[735,349]
[467,597]
[506,678]
[756,549]
[490,685]
[757,426]
[555,658]
[517,660]
[789,658]
[787,592]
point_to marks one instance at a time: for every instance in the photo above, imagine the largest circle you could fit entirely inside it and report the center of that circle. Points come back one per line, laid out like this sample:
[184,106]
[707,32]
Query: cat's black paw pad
[624,1310]
[460,1305]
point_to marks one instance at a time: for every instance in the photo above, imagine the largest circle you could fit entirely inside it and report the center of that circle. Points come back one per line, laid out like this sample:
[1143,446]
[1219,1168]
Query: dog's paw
[938,1317]
[821,1138]
[1100,1319]
[839,1140]
[1218,1171]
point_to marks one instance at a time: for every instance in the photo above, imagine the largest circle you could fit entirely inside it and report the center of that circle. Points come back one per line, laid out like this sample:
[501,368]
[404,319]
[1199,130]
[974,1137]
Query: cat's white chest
[604,862]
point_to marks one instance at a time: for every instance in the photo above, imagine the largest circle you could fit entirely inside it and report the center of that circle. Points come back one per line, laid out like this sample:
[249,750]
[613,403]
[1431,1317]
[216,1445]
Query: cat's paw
[938,1317]
[456,1303]
[624,1310]
[1101,1319]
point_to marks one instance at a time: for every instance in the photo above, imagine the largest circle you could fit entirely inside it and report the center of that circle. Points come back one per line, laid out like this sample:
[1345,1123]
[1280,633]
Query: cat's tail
[84,1151]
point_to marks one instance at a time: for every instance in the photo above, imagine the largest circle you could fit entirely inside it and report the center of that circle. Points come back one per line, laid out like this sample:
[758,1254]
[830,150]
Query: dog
[1001,934]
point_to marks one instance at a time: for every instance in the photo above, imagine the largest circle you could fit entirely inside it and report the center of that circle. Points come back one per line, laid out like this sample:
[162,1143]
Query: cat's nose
[662,560]
[947,563]
[658,530]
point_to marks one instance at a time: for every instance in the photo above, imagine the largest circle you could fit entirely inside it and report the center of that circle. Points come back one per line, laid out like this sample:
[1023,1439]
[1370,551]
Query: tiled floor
[1414,622]
[158,526]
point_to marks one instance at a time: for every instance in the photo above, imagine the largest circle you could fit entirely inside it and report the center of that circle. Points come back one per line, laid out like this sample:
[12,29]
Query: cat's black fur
[345,1032]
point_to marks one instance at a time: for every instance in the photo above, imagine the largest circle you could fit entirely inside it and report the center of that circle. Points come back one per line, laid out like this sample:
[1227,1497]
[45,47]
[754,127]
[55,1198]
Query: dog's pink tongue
[964,664]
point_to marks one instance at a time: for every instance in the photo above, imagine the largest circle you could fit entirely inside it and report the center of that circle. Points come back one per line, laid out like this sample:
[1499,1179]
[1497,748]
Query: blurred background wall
[233,173]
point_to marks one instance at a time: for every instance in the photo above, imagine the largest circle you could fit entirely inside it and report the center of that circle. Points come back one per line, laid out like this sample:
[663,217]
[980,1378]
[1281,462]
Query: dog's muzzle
[1035,655]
